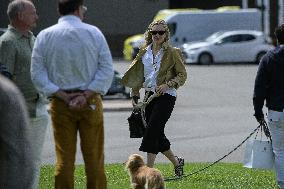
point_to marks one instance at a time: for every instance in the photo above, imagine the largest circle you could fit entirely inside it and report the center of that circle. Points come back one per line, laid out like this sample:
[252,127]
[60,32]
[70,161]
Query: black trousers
[157,113]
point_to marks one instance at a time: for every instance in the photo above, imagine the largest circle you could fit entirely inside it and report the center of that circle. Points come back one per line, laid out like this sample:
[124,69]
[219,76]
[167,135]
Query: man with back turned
[72,64]
[269,87]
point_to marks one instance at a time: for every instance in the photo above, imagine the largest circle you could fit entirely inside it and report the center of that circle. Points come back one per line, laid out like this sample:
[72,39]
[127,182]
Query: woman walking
[158,68]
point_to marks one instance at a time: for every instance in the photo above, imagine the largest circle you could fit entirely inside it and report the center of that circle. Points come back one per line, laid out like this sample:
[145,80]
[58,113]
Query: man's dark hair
[66,7]
[279,33]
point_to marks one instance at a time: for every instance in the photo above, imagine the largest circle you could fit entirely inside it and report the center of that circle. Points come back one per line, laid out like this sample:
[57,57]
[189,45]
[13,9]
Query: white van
[195,26]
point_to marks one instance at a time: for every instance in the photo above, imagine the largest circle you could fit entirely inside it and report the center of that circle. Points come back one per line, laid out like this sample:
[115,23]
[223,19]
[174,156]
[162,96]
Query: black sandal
[179,167]
[180,160]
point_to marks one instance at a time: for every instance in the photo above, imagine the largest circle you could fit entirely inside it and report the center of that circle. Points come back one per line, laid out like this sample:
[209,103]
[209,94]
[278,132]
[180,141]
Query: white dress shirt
[151,69]
[71,55]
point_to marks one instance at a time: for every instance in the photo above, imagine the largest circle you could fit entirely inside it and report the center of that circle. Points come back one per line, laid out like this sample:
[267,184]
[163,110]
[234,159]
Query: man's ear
[77,12]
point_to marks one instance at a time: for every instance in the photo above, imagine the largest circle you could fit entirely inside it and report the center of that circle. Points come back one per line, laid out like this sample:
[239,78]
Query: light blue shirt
[71,55]
[151,69]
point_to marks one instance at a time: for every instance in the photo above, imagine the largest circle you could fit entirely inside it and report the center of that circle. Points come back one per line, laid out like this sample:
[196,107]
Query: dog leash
[142,105]
[261,126]
[147,99]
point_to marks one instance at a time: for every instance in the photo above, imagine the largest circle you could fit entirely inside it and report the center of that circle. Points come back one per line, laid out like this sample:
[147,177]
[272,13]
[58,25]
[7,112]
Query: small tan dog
[143,177]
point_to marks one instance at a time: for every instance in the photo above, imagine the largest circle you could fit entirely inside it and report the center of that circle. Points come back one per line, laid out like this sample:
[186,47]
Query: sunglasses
[157,32]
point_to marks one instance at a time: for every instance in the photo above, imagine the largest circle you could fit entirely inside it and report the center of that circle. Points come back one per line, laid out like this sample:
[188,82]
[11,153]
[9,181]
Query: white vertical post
[266,17]
[244,4]
[281,12]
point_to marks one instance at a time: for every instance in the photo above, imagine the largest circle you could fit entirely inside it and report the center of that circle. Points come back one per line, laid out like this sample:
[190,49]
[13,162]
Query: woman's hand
[162,89]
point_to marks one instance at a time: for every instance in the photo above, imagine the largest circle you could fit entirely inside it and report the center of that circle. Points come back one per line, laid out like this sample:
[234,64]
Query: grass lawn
[221,175]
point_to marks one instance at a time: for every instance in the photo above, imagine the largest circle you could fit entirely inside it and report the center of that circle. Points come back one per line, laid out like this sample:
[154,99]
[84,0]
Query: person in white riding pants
[269,87]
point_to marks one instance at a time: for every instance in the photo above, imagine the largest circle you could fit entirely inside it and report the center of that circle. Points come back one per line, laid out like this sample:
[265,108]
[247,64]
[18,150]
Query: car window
[172,28]
[2,30]
[214,36]
[247,37]
[231,39]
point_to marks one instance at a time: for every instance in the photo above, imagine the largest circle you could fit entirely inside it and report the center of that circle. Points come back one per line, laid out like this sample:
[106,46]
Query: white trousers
[276,127]
[37,132]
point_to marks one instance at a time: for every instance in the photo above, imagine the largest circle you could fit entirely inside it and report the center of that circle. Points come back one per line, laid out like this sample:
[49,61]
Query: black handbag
[136,126]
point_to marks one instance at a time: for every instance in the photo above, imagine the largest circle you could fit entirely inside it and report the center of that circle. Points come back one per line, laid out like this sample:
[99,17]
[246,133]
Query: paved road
[213,114]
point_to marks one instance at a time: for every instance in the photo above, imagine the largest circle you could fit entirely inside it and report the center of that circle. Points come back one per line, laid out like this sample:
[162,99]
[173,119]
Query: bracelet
[168,84]
[138,96]
[135,97]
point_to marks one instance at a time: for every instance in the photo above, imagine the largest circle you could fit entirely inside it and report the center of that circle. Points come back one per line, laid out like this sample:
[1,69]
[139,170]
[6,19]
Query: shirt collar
[69,18]
[149,49]
[17,33]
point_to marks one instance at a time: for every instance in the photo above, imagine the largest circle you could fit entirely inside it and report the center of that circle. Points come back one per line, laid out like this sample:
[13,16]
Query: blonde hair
[148,35]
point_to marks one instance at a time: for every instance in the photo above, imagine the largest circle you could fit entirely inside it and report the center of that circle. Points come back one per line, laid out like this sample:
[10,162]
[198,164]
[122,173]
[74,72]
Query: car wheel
[126,95]
[205,58]
[259,56]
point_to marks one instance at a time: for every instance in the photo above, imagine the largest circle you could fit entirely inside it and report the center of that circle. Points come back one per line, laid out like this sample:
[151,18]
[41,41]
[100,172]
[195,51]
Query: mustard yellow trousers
[89,124]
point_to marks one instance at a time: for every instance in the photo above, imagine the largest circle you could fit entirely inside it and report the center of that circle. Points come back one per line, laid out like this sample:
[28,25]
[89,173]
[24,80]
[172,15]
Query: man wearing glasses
[72,64]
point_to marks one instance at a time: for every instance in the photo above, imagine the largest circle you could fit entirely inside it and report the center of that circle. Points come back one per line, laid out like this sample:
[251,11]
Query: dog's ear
[131,164]
[134,161]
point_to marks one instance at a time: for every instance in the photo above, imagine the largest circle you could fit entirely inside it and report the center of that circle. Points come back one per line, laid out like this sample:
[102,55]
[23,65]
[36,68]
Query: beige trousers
[89,124]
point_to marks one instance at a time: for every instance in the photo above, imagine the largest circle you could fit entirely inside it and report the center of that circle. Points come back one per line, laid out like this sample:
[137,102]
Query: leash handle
[266,130]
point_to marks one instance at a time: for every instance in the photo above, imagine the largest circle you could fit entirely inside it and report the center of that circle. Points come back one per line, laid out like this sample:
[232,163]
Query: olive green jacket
[172,70]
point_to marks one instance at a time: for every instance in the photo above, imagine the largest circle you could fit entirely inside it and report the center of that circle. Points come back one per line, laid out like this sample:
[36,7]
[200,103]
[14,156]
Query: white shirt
[151,69]
[71,55]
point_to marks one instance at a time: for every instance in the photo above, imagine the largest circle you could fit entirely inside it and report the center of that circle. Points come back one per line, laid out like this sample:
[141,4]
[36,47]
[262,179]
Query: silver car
[228,47]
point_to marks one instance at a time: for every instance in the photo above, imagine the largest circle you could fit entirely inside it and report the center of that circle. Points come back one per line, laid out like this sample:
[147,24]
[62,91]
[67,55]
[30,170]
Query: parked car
[228,47]
[117,88]
[2,30]
[129,44]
